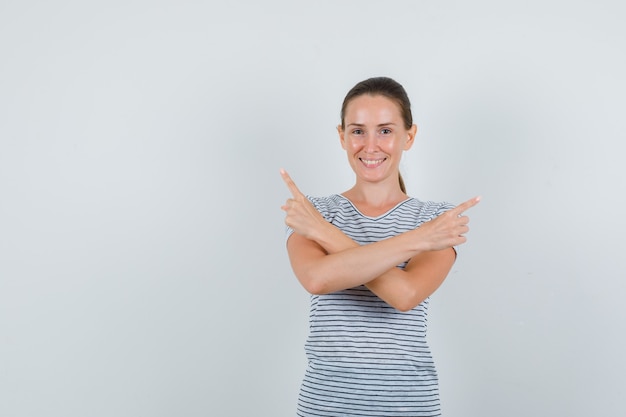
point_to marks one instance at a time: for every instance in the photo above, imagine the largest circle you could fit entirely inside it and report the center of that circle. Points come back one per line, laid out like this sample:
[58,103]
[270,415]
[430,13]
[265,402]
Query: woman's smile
[372,163]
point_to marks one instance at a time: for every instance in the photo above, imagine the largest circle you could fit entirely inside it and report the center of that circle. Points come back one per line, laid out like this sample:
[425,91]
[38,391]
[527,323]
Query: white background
[142,261]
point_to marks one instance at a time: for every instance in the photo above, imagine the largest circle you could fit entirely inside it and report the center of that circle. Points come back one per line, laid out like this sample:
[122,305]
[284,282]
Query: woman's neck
[375,199]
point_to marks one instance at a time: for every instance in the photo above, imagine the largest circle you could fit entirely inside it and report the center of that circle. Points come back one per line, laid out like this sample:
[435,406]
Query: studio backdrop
[143,269]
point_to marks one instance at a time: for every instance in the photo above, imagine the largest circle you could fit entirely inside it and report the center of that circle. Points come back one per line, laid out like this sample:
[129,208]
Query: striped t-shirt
[366,358]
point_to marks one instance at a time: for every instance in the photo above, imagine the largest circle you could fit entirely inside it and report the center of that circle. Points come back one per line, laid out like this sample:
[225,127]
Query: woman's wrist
[332,239]
[418,242]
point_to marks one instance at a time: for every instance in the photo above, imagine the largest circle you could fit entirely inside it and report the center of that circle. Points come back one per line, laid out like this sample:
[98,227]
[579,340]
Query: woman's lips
[372,163]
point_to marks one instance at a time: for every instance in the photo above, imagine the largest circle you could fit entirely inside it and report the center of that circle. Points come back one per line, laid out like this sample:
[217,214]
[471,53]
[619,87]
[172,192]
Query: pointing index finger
[290,184]
[465,205]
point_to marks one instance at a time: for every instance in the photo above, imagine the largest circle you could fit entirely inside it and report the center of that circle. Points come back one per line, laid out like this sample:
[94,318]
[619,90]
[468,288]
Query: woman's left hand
[301,215]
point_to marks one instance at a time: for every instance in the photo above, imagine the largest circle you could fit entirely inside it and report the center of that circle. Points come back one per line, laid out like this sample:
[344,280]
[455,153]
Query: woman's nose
[371,143]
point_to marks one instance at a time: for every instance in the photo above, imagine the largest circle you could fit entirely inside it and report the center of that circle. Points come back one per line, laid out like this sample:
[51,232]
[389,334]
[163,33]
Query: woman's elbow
[404,306]
[313,285]
[408,302]
[313,288]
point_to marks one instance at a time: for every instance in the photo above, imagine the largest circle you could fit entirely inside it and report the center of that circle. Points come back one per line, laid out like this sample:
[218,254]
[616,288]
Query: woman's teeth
[372,162]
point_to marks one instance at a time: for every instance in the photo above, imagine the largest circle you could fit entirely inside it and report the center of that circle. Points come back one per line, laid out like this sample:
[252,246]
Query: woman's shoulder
[331,199]
[427,204]
[332,202]
[425,208]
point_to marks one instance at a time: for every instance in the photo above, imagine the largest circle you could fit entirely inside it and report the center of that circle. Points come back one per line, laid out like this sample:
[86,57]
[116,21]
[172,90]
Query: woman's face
[374,138]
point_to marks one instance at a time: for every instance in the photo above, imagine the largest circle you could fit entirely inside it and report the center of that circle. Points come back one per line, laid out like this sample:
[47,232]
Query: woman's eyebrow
[379,125]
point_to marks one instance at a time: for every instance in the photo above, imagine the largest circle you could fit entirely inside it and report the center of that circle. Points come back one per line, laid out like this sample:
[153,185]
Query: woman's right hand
[301,215]
[448,229]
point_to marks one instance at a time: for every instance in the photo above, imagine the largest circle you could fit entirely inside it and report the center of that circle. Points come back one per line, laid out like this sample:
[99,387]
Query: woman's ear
[341,136]
[410,137]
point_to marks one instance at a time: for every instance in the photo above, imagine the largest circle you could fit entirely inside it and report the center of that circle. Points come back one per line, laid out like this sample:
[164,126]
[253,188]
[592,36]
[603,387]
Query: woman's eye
[357,132]
[385,131]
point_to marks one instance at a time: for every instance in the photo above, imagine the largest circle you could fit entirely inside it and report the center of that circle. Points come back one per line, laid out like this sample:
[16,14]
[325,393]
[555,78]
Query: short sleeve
[288,233]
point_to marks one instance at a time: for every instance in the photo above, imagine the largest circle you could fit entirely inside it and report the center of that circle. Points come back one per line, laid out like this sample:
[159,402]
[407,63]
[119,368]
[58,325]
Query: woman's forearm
[395,286]
[348,264]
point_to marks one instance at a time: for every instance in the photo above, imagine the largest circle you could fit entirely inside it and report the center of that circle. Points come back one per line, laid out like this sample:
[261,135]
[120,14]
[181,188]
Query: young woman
[371,257]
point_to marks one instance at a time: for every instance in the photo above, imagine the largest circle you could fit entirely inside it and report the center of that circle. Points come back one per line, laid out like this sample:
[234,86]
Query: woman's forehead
[366,108]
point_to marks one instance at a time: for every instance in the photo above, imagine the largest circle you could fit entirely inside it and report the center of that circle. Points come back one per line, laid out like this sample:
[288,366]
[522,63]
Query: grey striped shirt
[366,358]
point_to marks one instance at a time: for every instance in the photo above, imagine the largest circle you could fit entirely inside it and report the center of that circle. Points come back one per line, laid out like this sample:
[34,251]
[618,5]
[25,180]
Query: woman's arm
[403,289]
[326,260]
[406,288]
[323,268]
